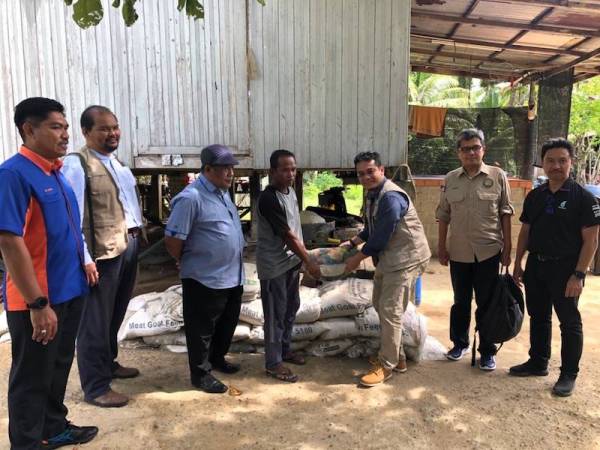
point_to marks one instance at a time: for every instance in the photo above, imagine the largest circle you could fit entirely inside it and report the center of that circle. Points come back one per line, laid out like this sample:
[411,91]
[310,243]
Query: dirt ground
[434,405]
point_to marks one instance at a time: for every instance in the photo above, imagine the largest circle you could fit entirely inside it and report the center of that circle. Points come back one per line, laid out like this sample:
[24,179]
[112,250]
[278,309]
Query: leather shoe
[209,384]
[72,435]
[565,385]
[110,399]
[125,372]
[225,366]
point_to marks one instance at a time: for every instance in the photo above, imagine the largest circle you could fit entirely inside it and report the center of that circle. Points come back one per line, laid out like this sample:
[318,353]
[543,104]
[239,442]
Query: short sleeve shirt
[556,219]
[474,206]
[38,204]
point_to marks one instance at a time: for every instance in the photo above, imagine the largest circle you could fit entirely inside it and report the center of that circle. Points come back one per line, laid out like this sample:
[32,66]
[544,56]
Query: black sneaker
[72,435]
[565,385]
[209,384]
[528,369]
[225,366]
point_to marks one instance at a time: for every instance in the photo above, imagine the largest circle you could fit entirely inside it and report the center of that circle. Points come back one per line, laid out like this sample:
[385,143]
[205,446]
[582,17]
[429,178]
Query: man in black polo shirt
[560,231]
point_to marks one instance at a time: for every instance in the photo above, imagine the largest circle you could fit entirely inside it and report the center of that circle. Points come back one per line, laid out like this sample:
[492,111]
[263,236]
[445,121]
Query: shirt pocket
[455,197]
[487,203]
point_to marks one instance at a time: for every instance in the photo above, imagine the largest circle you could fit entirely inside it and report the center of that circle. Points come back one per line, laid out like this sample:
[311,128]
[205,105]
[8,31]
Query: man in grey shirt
[280,252]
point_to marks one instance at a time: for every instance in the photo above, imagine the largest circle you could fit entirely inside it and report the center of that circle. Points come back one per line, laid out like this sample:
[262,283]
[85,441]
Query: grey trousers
[280,299]
[103,312]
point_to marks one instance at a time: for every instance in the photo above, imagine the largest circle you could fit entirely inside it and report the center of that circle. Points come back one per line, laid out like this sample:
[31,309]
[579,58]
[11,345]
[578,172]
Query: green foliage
[315,182]
[585,108]
[89,13]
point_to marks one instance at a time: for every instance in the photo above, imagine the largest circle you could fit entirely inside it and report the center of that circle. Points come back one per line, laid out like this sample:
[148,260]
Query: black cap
[217,155]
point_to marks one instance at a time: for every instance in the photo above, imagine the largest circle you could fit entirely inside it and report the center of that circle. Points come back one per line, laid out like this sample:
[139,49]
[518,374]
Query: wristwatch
[579,275]
[38,303]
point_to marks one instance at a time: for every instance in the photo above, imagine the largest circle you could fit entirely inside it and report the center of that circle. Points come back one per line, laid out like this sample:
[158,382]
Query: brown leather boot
[125,372]
[110,399]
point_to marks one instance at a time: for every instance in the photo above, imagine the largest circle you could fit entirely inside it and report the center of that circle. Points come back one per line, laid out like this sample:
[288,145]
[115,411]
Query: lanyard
[71,221]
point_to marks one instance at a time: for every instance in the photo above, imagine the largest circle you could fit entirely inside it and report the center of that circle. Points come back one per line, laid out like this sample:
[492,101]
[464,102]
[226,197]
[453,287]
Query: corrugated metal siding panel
[175,84]
[350,67]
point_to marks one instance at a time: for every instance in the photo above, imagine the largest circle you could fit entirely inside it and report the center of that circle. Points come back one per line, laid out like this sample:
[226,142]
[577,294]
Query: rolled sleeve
[392,207]
[183,213]
[15,198]
[442,212]
[505,207]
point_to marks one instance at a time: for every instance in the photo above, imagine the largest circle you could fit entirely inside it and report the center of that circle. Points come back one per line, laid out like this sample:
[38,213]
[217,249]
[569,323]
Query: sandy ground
[433,405]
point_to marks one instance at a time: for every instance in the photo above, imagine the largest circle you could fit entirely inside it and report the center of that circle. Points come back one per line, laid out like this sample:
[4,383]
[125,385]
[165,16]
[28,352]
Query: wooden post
[299,187]
[254,193]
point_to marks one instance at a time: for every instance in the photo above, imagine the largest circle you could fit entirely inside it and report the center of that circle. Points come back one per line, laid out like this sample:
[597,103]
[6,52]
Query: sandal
[282,374]
[294,358]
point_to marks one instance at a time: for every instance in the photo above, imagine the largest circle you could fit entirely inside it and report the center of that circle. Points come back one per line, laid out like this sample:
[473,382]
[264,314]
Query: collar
[566,186]
[209,186]
[484,168]
[45,164]
[102,156]
[375,191]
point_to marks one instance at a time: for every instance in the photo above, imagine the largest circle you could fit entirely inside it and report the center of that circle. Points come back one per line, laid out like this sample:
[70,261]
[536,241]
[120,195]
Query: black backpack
[503,317]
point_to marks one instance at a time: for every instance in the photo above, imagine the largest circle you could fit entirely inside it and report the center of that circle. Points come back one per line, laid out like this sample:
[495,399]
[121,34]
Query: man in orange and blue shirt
[41,244]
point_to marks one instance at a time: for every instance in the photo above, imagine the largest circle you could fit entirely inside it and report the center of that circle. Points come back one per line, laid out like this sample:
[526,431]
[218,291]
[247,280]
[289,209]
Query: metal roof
[509,40]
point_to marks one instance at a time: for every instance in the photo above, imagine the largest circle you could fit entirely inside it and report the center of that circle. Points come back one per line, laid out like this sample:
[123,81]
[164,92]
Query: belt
[134,232]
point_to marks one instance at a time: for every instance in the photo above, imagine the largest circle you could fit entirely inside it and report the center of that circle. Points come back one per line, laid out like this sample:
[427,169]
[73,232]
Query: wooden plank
[173,97]
[216,80]
[30,49]
[255,75]
[333,85]
[381,94]
[8,134]
[185,88]
[199,81]
[270,69]
[121,88]
[399,83]
[76,87]
[349,83]
[105,54]
[240,73]
[164,64]
[154,55]
[45,43]
[226,67]
[212,123]
[17,60]
[90,67]
[302,82]
[138,80]
[286,74]
[318,25]
[366,79]
[190,149]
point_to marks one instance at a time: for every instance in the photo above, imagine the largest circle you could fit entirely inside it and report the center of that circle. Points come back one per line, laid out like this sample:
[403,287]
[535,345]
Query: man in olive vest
[396,241]
[112,221]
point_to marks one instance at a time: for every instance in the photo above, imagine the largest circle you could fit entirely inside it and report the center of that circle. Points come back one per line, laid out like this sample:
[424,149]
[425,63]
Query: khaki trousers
[391,293]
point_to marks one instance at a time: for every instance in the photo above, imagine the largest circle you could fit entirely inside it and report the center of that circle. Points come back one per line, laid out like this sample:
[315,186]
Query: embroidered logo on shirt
[596,210]
[488,183]
[48,190]
[563,205]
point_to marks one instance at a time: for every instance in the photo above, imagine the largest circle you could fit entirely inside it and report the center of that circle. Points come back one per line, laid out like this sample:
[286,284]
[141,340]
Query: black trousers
[210,317]
[545,284]
[103,313]
[479,276]
[38,376]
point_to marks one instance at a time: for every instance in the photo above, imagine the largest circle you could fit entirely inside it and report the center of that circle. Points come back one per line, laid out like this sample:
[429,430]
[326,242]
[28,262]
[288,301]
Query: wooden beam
[488,44]
[422,51]
[468,11]
[562,4]
[558,29]
[559,69]
[571,47]
[444,70]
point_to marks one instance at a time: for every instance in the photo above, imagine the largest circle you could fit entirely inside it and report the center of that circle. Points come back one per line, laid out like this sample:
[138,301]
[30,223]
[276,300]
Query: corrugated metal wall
[331,79]
[325,78]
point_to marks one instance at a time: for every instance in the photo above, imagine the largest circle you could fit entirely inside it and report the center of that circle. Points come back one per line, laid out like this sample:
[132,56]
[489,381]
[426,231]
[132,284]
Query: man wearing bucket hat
[204,235]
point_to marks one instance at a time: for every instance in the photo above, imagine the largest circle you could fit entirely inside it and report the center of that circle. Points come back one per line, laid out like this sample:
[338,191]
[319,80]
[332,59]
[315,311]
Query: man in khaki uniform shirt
[475,206]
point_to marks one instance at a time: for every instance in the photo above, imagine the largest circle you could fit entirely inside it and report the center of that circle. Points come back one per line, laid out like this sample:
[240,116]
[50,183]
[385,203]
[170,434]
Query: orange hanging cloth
[427,121]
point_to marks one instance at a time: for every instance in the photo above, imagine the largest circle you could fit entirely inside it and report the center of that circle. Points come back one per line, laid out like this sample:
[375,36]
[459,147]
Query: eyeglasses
[472,148]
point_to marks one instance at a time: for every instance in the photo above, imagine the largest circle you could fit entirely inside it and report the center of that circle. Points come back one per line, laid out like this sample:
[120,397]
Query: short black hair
[87,116]
[470,133]
[368,156]
[557,143]
[274,159]
[35,110]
